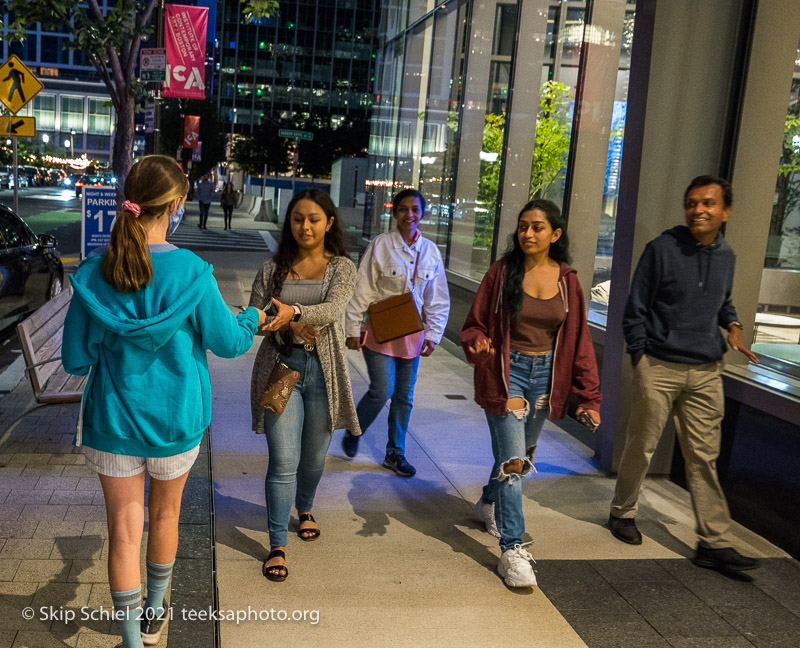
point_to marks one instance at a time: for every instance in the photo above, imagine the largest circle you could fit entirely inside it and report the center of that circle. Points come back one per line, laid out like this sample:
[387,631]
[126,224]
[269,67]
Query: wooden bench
[40,337]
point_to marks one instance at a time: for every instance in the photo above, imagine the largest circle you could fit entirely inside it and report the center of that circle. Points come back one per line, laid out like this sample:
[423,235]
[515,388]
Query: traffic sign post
[99,211]
[153,64]
[18,126]
[18,85]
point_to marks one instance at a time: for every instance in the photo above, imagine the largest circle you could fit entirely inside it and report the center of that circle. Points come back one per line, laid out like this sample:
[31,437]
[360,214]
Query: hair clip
[132,207]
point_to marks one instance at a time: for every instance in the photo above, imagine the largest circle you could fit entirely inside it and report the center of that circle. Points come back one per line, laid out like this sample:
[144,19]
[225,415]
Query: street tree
[111,44]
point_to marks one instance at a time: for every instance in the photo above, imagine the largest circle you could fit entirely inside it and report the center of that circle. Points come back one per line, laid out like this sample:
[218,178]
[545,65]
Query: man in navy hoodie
[680,298]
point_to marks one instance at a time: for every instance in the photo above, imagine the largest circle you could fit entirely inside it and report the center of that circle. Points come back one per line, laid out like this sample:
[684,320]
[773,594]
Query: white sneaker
[485,513]
[515,567]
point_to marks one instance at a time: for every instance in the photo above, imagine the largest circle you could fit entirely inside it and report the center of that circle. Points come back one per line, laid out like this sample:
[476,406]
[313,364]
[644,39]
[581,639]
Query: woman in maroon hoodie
[527,336]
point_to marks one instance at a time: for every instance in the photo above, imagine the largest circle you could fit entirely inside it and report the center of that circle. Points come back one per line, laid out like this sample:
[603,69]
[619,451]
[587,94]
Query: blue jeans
[515,437]
[298,441]
[389,378]
[204,207]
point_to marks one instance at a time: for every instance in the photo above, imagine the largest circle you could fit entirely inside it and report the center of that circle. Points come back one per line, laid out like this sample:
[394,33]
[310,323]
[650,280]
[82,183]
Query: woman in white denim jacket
[390,264]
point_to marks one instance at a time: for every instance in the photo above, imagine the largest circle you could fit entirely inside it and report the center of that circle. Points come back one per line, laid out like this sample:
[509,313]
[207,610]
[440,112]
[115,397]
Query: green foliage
[552,137]
[255,10]
[493,131]
[264,147]
[787,199]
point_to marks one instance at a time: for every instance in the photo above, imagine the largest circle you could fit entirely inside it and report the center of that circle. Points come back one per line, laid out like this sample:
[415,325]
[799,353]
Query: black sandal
[315,533]
[271,573]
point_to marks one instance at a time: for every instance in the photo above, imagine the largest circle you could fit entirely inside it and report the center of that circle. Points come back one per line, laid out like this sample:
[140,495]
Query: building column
[683,59]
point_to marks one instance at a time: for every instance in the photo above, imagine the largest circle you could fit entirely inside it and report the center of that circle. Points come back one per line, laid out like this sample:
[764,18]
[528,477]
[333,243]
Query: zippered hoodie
[149,391]
[574,363]
[680,296]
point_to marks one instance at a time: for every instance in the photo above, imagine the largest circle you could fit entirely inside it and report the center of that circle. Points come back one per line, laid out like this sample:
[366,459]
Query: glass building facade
[313,61]
[72,106]
[609,108]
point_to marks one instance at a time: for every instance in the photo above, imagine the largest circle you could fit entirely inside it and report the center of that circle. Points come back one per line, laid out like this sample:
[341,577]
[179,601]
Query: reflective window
[777,325]
[44,109]
[99,116]
[71,113]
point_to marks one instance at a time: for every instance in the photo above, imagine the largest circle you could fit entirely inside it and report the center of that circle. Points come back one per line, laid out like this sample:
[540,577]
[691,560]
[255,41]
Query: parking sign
[99,211]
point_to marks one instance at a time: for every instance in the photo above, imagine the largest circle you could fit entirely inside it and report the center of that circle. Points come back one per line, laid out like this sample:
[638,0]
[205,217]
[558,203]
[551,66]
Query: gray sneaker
[399,464]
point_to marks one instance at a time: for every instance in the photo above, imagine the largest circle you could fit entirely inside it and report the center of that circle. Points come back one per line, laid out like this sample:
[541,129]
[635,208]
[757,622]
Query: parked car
[5,177]
[30,269]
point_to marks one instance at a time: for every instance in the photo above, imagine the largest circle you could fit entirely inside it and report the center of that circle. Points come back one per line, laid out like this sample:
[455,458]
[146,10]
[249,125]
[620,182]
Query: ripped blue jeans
[514,436]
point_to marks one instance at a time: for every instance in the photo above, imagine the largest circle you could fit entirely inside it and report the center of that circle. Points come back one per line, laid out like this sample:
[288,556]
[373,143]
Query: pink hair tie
[132,207]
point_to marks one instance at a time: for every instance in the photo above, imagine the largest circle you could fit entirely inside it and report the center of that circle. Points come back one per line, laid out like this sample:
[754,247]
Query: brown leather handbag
[396,317]
[279,388]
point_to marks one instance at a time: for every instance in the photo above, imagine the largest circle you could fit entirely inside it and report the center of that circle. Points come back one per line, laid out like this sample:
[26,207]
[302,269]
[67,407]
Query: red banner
[185,41]
[191,131]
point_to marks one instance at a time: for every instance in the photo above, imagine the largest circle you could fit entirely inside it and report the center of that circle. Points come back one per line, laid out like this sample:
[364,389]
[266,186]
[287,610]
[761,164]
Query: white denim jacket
[386,270]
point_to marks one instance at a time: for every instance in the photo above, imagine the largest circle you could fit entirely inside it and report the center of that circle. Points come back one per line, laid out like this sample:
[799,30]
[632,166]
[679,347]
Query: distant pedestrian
[528,338]
[139,324]
[310,270]
[204,193]
[228,202]
[395,263]
[680,297]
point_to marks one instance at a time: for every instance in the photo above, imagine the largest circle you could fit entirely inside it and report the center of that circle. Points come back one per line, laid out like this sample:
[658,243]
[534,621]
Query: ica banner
[191,131]
[185,41]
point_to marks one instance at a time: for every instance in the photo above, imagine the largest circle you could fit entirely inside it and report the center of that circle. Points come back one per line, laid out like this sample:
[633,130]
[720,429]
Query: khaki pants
[694,393]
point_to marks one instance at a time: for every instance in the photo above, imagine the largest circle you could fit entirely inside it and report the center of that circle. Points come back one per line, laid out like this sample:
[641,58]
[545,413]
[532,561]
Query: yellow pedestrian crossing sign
[18,85]
[17,126]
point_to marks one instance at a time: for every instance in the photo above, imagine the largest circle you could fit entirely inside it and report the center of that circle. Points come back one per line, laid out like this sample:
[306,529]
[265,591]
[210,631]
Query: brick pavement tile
[57,482]
[95,528]
[73,497]
[71,631]
[17,528]
[78,471]
[59,529]
[7,638]
[79,512]
[8,567]
[3,494]
[43,512]
[20,447]
[43,571]
[95,640]
[99,498]
[30,639]
[42,469]
[88,571]
[27,548]
[70,595]
[27,496]
[29,458]
[100,596]
[71,458]
[89,483]
[68,548]
[22,593]
[54,449]
[10,512]
[14,480]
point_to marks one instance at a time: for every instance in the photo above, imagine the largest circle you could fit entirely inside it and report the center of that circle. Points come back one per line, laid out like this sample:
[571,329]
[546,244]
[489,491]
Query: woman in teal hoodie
[141,319]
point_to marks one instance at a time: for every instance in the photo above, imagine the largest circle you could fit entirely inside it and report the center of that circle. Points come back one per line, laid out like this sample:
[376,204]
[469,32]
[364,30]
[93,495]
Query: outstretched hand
[283,317]
[736,342]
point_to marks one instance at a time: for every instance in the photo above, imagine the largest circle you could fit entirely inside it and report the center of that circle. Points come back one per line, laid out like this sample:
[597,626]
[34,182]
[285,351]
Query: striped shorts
[117,465]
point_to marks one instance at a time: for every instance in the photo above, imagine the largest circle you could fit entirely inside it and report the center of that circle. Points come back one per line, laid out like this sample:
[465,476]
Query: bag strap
[414,277]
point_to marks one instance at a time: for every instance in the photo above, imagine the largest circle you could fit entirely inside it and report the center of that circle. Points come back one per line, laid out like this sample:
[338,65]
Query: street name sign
[18,85]
[99,211]
[296,134]
[18,126]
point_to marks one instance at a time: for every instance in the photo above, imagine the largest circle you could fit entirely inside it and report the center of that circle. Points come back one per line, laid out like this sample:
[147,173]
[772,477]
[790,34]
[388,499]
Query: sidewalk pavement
[400,562]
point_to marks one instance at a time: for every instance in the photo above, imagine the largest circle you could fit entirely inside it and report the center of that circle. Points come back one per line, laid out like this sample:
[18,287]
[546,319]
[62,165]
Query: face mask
[175,220]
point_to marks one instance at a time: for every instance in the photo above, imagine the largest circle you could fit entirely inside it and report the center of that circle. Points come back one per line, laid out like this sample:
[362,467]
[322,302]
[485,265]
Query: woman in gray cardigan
[310,271]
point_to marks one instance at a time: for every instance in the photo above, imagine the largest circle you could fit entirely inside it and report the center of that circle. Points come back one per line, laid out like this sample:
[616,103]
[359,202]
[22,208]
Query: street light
[66,146]
[72,141]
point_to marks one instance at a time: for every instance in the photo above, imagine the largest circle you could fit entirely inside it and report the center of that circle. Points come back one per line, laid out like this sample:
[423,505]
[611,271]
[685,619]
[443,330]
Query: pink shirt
[404,347]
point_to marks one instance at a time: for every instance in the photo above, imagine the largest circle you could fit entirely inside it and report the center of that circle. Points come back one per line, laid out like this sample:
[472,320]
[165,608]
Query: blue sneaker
[399,464]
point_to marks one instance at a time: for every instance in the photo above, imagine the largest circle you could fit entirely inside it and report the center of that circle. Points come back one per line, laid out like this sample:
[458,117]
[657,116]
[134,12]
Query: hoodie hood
[149,317]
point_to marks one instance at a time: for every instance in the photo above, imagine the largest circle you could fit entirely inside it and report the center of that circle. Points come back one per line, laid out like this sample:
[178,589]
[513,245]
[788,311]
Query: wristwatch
[735,323]
[296,316]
